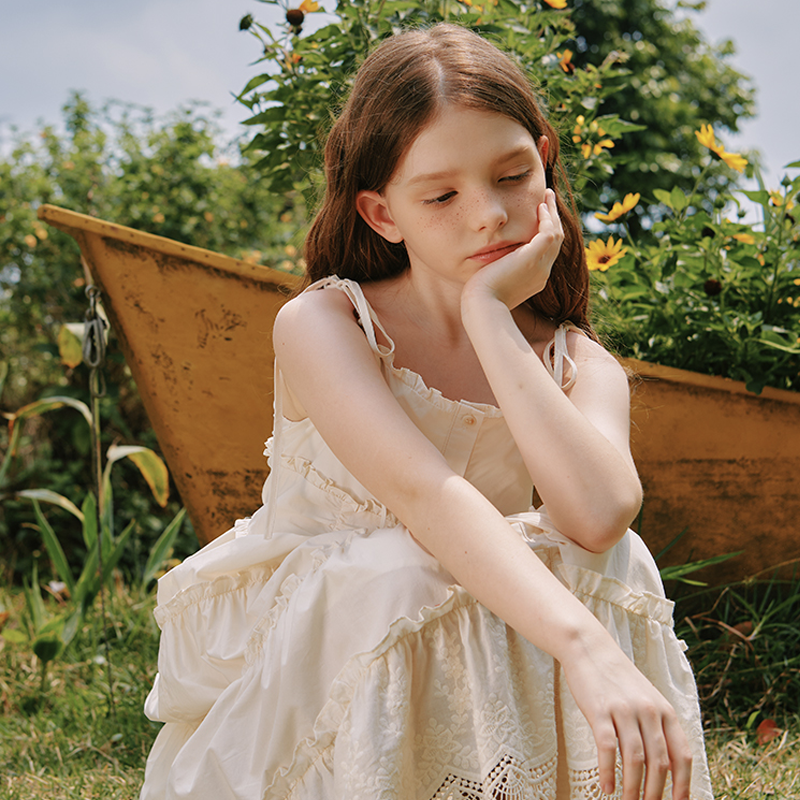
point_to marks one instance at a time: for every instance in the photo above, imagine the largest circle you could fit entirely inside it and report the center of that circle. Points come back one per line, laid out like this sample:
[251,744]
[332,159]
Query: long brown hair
[397,91]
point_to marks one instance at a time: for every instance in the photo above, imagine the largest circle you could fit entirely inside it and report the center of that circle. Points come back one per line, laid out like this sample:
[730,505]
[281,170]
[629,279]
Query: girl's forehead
[459,137]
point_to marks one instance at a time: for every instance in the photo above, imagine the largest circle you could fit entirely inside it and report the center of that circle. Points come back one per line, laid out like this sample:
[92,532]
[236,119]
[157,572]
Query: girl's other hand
[523,273]
[623,707]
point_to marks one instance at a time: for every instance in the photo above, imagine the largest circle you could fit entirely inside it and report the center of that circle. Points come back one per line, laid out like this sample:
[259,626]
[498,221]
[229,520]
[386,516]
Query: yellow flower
[556,3]
[778,200]
[598,148]
[733,160]
[41,233]
[744,238]
[565,61]
[30,240]
[706,138]
[601,255]
[309,6]
[619,209]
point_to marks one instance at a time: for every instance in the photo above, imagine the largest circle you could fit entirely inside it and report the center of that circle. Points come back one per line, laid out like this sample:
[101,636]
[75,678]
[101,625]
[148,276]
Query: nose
[488,211]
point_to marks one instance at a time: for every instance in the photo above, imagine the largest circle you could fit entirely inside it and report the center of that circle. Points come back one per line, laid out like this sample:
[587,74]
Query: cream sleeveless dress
[315,651]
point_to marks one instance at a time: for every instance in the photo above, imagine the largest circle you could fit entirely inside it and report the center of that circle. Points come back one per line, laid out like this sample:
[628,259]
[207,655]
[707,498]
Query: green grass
[65,743]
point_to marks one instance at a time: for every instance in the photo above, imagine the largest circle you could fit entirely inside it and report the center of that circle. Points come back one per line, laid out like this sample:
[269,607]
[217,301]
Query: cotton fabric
[316,652]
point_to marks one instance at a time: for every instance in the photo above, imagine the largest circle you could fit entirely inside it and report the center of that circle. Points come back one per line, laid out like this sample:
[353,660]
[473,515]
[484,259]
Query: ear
[374,211]
[543,146]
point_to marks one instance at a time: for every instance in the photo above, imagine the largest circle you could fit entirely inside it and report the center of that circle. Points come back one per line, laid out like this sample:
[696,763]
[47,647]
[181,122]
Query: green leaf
[54,549]
[48,647]
[761,197]
[50,404]
[678,199]
[48,496]
[793,165]
[33,599]
[663,197]
[153,469]
[70,347]
[162,548]
[679,571]
[14,636]
[89,511]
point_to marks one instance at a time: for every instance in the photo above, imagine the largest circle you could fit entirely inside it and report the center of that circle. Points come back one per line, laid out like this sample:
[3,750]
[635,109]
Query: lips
[494,251]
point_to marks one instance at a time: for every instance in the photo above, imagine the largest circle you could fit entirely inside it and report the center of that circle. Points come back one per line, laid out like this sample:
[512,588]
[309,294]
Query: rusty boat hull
[195,327]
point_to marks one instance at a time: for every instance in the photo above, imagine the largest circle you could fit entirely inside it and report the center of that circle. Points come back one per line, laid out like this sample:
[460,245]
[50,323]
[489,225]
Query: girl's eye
[439,200]
[516,178]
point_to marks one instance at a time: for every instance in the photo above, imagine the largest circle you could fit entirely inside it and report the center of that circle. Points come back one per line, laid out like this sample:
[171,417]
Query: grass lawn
[63,742]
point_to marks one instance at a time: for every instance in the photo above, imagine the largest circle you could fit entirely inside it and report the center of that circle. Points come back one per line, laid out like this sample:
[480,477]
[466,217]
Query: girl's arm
[575,444]
[334,375]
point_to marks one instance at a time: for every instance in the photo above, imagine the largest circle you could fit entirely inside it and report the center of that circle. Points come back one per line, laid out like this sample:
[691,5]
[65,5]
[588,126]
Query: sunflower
[619,209]
[706,138]
[601,255]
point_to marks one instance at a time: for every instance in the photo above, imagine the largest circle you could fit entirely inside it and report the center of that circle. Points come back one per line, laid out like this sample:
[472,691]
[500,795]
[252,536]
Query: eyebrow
[427,177]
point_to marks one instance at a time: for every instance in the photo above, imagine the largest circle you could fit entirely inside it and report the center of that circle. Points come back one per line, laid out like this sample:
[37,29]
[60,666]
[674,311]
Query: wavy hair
[398,90]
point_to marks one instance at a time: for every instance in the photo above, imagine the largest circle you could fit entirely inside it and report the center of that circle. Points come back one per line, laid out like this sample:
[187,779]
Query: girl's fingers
[658,760]
[633,760]
[680,759]
[606,741]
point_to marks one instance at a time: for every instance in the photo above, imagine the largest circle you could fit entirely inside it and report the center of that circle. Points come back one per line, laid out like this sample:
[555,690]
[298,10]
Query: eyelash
[448,195]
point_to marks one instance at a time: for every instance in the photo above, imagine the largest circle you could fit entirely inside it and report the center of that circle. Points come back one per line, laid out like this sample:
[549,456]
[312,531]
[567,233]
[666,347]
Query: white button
[469,420]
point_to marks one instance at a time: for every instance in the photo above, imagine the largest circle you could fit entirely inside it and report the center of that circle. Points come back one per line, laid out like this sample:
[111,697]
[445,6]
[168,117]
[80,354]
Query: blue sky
[159,53]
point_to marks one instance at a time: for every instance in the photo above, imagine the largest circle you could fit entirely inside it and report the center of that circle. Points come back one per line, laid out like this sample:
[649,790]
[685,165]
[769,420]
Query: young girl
[396,621]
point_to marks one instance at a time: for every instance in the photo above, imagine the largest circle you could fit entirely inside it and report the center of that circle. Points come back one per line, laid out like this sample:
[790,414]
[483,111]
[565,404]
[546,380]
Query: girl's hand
[524,272]
[621,705]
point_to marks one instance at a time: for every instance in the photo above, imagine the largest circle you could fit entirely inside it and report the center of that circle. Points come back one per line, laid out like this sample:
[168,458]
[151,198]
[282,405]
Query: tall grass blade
[54,549]
[49,496]
[161,549]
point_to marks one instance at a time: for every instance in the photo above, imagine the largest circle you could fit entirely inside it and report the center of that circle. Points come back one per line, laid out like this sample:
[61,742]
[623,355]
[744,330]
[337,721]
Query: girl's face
[464,194]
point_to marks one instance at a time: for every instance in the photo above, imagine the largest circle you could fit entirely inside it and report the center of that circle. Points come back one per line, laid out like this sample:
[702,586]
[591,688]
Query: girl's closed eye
[439,200]
[518,178]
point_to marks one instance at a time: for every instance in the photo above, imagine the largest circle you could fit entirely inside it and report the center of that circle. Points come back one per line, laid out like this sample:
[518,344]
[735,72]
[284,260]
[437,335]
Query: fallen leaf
[767,730]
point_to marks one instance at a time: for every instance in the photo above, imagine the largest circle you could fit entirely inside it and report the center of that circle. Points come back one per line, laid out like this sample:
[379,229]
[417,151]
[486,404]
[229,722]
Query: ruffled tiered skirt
[350,665]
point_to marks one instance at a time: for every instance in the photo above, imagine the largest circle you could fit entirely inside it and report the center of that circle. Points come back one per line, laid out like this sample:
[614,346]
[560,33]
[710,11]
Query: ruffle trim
[347,505]
[415,382]
[210,590]
[592,588]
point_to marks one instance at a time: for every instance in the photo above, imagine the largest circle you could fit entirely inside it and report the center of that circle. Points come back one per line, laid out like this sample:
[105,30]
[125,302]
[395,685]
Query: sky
[160,53]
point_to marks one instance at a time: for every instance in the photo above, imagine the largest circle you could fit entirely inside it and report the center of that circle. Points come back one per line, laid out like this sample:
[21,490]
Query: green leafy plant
[705,292]
[305,79]
[50,633]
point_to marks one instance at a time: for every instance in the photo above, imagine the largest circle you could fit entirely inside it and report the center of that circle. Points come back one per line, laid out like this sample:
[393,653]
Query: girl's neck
[427,302]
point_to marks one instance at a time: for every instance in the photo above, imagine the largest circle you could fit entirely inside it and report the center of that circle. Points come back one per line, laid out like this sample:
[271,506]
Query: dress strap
[367,318]
[368,321]
[556,356]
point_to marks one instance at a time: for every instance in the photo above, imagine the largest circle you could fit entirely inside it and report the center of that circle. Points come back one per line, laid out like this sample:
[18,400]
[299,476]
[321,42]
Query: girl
[396,621]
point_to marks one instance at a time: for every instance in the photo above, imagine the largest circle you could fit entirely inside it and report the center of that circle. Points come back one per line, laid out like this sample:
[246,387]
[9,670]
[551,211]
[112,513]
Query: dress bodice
[473,438]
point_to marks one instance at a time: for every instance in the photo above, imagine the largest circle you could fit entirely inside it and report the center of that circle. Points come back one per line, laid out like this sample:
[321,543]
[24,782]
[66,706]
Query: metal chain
[94,356]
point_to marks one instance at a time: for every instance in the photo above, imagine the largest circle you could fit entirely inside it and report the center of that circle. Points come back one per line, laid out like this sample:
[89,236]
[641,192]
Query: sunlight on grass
[64,744]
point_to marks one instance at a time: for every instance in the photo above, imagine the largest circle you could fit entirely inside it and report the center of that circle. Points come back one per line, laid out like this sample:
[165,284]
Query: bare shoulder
[601,380]
[583,349]
[310,311]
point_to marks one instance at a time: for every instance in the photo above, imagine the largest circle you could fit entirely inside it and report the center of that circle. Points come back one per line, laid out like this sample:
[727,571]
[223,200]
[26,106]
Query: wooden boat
[195,328]
[196,331]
